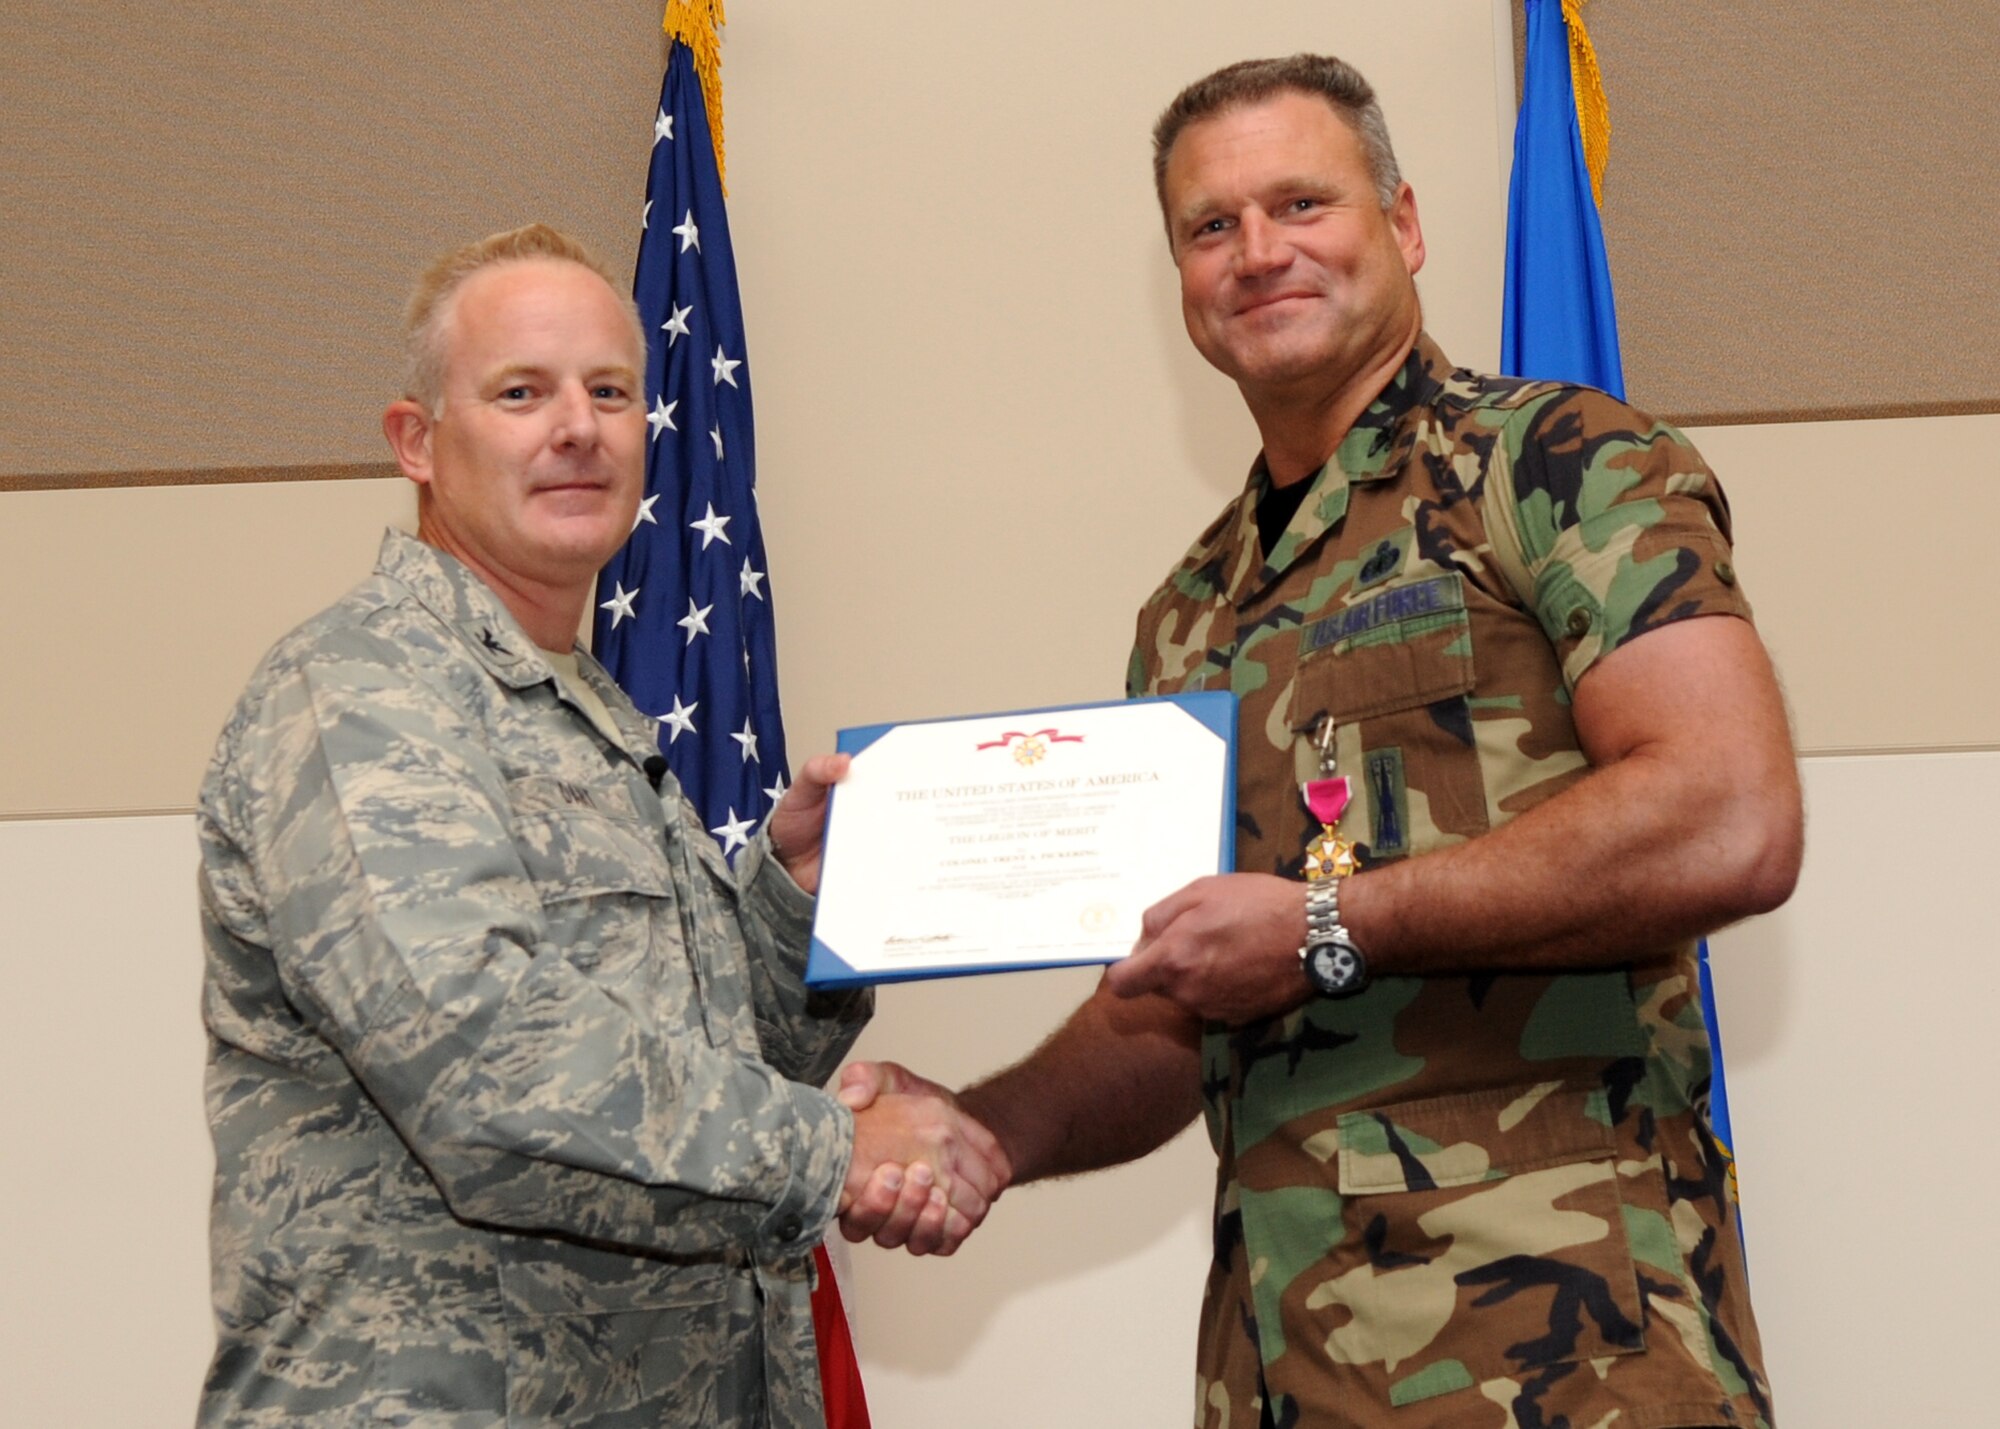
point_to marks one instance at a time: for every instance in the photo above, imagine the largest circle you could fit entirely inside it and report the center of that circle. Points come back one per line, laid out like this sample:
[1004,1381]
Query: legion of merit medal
[1328,855]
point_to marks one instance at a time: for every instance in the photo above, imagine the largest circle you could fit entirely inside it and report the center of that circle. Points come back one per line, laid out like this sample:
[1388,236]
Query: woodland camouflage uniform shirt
[1460,1201]
[507,1072]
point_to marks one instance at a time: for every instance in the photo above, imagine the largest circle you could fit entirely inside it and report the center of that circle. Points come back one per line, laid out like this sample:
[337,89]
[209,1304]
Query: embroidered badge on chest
[1328,855]
[1383,562]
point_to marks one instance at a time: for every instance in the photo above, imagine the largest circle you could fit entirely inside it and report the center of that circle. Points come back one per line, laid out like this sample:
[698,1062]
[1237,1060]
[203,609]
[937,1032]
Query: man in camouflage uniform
[1466,1175]
[514,1085]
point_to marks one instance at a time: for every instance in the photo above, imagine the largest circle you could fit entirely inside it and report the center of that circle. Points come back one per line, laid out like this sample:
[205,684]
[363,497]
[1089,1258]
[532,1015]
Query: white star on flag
[695,622]
[689,235]
[777,790]
[646,512]
[676,325]
[710,527]
[620,604]
[662,417]
[663,127]
[734,832]
[680,719]
[715,435]
[748,740]
[750,582]
[725,367]
[646,216]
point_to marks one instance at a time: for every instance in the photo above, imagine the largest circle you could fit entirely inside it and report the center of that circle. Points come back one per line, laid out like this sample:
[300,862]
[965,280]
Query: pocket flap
[576,843]
[1408,646]
[1470,1138]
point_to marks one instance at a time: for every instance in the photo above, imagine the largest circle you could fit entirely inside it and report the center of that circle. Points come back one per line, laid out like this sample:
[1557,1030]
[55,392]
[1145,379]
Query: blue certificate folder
[1213,710]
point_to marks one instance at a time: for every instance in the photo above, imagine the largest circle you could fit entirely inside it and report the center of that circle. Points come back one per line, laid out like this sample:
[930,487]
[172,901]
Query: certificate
[1026,840]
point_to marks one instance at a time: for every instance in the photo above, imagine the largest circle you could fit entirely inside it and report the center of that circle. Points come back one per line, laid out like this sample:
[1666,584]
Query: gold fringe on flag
[698,25]
[1593,111]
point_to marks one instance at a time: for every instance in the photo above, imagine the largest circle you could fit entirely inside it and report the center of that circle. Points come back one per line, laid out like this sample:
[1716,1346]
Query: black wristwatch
[1333,964]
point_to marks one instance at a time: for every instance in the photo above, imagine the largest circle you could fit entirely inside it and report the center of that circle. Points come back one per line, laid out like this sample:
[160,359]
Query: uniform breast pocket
[1484,1236]
[1398,691]
[597,871]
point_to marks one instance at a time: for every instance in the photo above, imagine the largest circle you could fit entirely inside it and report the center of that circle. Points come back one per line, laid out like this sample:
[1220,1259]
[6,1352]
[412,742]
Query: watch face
[1336,968]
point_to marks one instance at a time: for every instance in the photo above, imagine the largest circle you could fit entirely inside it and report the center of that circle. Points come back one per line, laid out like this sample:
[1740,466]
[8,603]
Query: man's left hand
[1226,948]
[798,824]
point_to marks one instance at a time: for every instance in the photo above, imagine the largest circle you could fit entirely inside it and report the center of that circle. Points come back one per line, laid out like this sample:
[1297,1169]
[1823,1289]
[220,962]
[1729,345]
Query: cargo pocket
[595,1335]
[1398,691]
[1484,1236]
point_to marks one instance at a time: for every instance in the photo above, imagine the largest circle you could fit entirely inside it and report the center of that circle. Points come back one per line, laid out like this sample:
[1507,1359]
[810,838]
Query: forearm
[1114,1082]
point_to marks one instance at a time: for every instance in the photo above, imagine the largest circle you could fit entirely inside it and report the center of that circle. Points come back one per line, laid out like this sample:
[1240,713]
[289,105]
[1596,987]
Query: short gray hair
[1252,81]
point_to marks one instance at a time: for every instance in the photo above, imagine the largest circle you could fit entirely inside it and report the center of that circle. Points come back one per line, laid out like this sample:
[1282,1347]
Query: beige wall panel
[1853,538]
[104,1311]
[982,439]
[982,434]
[1858,1024]
[138,614]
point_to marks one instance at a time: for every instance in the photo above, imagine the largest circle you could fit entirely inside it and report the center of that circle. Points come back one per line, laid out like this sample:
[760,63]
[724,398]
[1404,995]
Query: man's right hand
[924,1173]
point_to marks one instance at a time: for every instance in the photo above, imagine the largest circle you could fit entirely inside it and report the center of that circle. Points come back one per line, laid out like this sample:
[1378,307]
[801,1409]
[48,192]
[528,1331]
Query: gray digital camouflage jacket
[513,1085]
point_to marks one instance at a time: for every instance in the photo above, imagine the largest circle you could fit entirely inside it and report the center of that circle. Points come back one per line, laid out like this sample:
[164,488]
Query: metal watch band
[1322,912]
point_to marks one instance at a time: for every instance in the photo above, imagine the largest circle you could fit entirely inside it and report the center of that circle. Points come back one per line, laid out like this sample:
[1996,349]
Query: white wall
[1858,1031]
[104,1317]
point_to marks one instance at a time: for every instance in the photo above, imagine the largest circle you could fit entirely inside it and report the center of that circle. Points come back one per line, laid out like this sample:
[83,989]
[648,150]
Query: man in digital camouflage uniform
[1466,1172]
[514,1085]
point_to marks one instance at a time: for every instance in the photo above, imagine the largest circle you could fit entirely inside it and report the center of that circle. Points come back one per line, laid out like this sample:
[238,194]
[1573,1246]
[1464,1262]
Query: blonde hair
[428,314]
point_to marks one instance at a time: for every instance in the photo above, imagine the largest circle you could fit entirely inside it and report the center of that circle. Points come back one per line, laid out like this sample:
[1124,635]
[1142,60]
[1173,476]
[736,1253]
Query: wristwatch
[1333,964]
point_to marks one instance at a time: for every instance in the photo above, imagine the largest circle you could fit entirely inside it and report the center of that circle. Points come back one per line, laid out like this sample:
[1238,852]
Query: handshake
[924,1171]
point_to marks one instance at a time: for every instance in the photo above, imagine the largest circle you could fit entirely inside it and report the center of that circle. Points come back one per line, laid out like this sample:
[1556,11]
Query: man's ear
[1408,229]
[407,425]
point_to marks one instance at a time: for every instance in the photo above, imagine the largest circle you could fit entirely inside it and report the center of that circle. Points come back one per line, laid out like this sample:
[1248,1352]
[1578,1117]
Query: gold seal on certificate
[1024,840]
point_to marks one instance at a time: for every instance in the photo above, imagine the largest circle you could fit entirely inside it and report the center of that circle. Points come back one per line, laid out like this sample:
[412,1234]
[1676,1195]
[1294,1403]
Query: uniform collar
[1374,449]
[448,589]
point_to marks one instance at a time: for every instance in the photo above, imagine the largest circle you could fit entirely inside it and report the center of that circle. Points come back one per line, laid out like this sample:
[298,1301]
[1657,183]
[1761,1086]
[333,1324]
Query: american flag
[684,609]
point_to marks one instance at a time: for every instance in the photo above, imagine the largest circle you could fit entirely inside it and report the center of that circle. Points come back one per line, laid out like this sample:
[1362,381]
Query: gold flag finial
[698,25]
[1593,111]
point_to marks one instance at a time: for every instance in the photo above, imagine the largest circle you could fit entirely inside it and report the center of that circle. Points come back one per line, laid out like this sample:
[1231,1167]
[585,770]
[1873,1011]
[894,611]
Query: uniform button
[791,1228]
[1578,623]
[1725,572]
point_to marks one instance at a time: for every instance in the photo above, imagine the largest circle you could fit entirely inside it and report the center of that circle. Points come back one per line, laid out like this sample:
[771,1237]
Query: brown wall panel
[212,212]
[1799,204]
